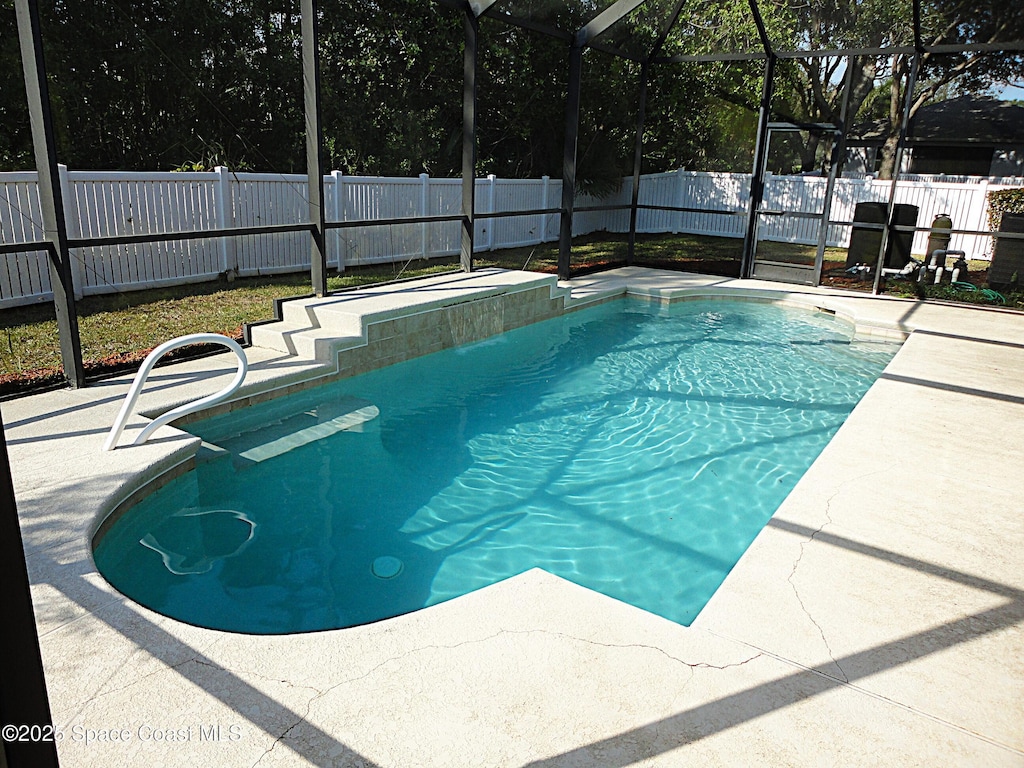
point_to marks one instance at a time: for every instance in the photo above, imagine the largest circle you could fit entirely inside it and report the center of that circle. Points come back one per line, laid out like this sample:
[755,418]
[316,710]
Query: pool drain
[387,567]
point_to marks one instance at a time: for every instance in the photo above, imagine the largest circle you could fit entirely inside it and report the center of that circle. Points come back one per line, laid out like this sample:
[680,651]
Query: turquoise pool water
[634,449]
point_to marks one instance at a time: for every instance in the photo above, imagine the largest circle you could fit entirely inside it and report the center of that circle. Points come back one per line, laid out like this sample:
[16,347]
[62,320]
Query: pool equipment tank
[938,239]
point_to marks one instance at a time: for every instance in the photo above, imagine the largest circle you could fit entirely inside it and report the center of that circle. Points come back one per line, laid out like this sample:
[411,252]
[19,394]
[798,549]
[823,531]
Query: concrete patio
[878,619]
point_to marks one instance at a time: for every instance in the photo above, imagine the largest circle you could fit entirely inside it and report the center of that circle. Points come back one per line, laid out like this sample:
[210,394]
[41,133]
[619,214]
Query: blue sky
[1010,92]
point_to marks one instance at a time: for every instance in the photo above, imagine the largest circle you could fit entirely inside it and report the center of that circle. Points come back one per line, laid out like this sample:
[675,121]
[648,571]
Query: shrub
[1004,201]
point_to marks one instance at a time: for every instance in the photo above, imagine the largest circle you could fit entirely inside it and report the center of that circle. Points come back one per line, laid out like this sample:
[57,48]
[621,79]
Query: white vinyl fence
[966,204]
[103,204]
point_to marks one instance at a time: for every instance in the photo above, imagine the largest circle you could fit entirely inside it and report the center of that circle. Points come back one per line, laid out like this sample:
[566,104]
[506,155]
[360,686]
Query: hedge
[1004,201]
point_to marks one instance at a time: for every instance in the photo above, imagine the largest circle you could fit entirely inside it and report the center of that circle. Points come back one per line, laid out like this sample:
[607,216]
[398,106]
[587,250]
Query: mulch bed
[837,277]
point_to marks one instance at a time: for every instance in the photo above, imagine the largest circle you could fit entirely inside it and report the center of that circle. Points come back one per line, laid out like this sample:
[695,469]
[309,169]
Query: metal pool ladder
[182,410]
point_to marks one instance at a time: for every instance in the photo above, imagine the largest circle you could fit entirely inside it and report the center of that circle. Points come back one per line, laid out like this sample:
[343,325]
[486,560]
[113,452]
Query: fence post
[980,241]
[74,229]
[225,211]
[677,220]
[338,179]
[543,232]
[490,209]
[424,205]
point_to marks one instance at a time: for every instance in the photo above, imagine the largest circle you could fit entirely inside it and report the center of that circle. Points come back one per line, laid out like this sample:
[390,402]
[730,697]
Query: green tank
[939,240]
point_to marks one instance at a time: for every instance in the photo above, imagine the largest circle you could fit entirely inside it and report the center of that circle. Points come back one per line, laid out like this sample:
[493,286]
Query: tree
[812,89]
[164,84]
[391,75]
[15,139]
[815,85]
[156,84]
[702,117]
[953,22]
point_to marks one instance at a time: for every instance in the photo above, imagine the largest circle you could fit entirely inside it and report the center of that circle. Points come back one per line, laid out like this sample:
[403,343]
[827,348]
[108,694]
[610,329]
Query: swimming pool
[633,448]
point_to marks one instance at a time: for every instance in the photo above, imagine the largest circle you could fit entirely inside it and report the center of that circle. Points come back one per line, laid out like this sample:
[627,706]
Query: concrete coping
[877,616]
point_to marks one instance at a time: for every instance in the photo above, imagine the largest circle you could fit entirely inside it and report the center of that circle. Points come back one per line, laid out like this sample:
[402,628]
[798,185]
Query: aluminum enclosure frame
[589,35]
[22,668]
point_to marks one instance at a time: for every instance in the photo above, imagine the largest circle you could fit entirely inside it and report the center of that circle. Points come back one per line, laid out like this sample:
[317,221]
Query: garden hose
[988,293]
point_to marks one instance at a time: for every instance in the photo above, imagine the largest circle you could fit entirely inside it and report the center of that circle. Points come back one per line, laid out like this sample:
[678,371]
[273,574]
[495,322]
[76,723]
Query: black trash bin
[865,242]
[897,255]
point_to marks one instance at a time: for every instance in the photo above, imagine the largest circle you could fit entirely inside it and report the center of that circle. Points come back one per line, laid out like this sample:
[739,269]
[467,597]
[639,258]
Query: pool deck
[878,619]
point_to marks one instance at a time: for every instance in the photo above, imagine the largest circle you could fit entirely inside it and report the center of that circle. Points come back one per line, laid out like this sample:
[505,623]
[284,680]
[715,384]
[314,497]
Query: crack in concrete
[140,650]
[103,694]
[250,673]
[90,613]
[691,666]
[316,693]
[643,646]
[796,592]
[290,728]
[828,521]
[320,694]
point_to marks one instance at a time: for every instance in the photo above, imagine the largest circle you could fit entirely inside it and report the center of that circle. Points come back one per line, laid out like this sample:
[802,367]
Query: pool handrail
[151,360]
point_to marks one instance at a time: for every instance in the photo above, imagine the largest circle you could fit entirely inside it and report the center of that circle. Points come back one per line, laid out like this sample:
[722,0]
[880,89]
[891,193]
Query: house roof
[970,118]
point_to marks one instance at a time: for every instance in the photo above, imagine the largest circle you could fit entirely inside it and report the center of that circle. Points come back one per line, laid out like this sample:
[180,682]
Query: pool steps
[278,433]
[345,334]
[319,328]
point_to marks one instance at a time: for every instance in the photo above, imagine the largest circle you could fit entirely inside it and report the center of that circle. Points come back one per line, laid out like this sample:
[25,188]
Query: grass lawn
[118,330]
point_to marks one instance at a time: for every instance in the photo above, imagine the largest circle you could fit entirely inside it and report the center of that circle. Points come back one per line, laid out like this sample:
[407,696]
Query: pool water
[632,448]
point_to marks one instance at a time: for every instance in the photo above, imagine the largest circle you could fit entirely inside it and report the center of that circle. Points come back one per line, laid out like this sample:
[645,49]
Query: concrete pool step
[283,427]
[303,341]
[320,328]
[312,313]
